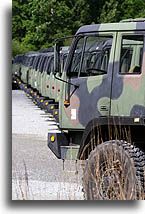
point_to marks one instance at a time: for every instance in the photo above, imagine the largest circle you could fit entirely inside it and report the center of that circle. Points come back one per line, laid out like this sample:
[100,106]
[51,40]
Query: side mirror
[60,48]
[57,64]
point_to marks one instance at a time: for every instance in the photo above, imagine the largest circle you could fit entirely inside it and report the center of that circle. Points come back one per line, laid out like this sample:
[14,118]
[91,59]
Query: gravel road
[36,173]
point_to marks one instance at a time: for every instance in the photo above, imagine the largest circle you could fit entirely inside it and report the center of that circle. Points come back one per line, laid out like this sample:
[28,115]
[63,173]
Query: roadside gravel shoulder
[36,172]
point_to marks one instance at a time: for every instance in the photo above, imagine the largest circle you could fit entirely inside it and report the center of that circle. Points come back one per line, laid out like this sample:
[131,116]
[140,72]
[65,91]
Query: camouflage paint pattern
[50,86]
[16,66]
[45,84]
[58,83]
[30,76]
[45,78]
[111,94]
[43,59]
[24,71]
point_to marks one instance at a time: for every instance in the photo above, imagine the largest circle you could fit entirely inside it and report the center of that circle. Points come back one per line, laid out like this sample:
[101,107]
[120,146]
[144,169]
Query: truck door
[89,72]
[128,86]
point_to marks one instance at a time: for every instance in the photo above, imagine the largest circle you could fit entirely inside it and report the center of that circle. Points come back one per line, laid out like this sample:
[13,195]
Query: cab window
[131,54]
[91,56]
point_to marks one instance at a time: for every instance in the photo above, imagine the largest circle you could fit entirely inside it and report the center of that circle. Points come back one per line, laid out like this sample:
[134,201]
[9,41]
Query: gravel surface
[36,173]
[28,119]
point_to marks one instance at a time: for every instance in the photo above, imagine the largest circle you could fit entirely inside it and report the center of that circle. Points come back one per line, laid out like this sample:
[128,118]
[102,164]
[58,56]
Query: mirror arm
[76,86]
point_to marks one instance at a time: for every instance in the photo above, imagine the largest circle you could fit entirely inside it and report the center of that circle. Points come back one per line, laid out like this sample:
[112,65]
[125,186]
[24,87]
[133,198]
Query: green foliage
[133,8]
[114,11]
[17,47]
[20,47]
[109,11]
[36,23]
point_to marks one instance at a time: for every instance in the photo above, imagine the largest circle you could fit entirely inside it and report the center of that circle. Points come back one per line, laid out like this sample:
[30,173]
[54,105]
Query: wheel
[114,171]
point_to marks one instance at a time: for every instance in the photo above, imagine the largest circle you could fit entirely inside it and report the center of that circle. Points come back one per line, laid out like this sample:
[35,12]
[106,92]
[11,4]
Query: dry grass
[109,175]
[114,171]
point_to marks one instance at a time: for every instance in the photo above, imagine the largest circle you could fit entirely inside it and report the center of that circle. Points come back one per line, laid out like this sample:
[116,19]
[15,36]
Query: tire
[114,171]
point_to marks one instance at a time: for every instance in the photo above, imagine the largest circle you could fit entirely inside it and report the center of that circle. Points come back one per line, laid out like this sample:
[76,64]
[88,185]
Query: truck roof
[121,26]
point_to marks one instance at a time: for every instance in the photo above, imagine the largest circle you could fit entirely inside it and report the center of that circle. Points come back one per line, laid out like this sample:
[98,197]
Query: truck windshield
[91,56]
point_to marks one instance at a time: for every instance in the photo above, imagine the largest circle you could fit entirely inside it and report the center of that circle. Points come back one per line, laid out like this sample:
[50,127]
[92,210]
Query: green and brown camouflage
[26,65]
[44,82]
[16,71]
[50,86]
[36,73]
[57,83]
[103,80]
[39,72]
[54,83]
[47,79]
[115,93]
[101,106]
[30,72]
[16,66]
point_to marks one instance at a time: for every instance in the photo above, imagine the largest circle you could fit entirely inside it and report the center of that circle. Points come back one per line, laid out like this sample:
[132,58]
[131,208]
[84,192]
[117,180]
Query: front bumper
[60,146]
[51,107]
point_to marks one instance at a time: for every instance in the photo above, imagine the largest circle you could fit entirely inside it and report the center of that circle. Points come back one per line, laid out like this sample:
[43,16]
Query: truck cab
[102,104]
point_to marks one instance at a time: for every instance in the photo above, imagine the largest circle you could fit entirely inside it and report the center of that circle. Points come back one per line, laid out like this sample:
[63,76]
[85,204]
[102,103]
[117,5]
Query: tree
[114,11]
[37,23]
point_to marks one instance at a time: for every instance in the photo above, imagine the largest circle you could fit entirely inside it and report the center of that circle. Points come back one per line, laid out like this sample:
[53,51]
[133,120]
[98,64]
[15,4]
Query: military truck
[49,86]
[102,109]
[26,64]
[44,82]
[35,71]
[44,86]
[16,70]
[54,85]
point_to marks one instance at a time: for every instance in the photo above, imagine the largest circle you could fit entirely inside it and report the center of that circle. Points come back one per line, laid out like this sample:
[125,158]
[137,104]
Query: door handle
[104,108]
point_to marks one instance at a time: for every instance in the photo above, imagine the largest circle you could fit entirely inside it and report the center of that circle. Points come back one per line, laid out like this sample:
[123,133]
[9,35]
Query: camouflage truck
[102,109]
[49,86]
[44,81]
[47,89]
[34,76]
[14,74]
[26,64]
[36,73]
[16,70]
[32,70]
[24,67]
[44,86]
[54,84]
